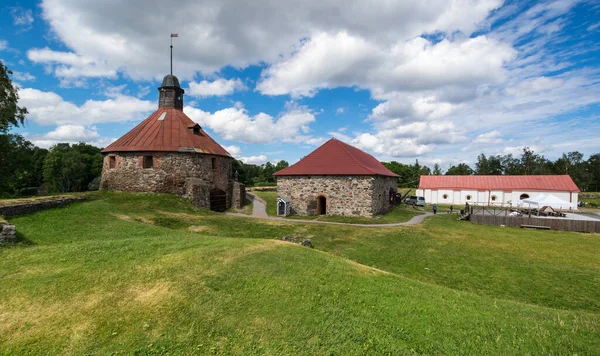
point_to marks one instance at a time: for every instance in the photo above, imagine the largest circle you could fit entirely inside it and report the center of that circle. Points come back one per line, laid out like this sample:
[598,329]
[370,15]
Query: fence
[499,216]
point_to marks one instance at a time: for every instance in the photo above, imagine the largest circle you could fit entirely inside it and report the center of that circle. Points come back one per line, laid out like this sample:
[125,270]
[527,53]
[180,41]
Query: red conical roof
[335,157]
[167,130]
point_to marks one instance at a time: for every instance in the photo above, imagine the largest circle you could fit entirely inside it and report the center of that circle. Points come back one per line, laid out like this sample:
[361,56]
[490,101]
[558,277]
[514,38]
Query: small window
[214,163]
[196,130]
[468,197]
[493,198]
[524,196]
[445,196]
[148,162]
[112,162]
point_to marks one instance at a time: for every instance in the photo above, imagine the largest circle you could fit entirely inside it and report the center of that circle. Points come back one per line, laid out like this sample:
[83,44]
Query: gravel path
[259,212]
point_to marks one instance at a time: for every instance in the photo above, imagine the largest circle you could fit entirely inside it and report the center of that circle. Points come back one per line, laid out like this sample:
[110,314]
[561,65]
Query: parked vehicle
[415,200]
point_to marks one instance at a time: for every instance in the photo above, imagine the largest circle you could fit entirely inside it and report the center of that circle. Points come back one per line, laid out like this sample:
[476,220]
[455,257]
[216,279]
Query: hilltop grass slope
[143,273]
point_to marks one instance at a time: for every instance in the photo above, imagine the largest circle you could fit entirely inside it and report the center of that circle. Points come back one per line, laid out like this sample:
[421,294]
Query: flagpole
[171,55]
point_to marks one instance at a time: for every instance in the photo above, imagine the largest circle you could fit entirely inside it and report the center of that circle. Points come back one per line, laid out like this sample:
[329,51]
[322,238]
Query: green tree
[462,169]
[437,170]
[10,112]
[66,169]
[20,166]
[281,165]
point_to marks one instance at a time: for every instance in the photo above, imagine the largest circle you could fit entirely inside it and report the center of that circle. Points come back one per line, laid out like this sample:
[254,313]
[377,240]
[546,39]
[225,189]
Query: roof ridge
[342,144]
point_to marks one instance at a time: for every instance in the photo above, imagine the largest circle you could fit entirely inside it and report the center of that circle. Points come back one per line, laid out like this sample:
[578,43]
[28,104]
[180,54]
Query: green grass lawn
[149,274]
[401,213]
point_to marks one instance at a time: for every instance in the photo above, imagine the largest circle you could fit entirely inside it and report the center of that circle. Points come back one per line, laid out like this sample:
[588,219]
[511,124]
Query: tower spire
[170,93]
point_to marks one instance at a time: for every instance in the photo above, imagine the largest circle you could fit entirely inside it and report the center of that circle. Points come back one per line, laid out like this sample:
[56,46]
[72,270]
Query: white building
[494,190]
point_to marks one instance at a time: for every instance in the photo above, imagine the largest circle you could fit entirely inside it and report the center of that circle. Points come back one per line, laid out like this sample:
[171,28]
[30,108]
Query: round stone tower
[169,153]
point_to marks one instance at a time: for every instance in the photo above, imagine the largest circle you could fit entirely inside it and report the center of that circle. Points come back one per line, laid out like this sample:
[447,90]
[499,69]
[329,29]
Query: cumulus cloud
[70,134]
[332,60]
[235,123]
[239,33]
[489,137]
[219,87]
[49,108]
[3,45]
[69,66]
[262,159]
[235,151]
[22,76]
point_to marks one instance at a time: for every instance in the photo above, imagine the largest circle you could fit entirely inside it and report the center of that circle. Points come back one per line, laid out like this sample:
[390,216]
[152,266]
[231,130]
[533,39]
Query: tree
[437,170]
[281,165]
[10,112]
[462,169]
[71,168]
[20,166]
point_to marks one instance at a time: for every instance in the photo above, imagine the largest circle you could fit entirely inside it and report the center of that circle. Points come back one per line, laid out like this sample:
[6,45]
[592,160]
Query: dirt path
[259,211]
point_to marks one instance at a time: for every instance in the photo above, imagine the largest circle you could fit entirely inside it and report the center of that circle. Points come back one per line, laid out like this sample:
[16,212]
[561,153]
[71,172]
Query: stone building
[338,179]
[169,153]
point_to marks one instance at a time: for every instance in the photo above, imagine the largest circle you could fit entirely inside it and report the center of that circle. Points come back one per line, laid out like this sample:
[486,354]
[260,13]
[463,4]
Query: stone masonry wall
[7,233]
[169,174]
[381,194]
[345,195]
[239,195]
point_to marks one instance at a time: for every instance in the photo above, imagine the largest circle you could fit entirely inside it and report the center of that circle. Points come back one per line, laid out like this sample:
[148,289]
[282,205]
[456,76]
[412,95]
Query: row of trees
[29,170]
[585,173]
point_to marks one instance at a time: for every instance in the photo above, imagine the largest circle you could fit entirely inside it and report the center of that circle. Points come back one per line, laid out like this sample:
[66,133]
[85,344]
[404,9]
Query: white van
[415,200]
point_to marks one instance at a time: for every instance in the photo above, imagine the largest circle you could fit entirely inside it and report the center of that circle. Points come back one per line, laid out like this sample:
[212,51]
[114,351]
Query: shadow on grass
[21,240]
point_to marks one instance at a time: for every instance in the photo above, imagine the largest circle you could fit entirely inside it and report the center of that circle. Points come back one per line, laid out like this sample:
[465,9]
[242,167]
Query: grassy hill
[144,273]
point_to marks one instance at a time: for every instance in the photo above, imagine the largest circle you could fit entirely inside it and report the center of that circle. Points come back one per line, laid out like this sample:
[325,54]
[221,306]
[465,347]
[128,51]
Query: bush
[94,184]
[29,191]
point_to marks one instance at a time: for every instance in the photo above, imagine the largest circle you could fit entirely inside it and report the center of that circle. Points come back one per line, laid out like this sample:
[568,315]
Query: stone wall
[345,195]
[381,194]
[171,172]
[239,195]
[31,206]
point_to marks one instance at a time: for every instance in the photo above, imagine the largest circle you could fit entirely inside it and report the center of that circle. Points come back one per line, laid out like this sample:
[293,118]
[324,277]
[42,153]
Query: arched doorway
[218,200]
[321,205]
[524,196]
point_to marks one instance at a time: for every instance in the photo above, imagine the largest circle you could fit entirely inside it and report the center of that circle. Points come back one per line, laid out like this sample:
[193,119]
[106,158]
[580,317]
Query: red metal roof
[546,183]
[169,133]
[337,158]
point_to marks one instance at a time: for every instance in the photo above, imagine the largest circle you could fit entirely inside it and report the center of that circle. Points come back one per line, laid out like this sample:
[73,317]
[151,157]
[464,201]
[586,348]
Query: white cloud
[70,134]
[340,110]
[22,18]
[236,124]
[70,66]
[239,33]
[3,45]
[48,108]
[219,87]
[489,137]
[332,60]
[22,76]
[235,151]
[254,159]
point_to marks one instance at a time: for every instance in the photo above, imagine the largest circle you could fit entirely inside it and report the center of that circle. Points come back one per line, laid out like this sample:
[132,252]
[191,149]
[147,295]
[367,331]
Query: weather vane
[172,35]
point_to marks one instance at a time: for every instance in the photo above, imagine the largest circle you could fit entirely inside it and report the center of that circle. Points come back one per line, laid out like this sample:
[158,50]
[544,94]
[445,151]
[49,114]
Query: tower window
[112,162]
[148,162]
[196,130]
[214,163]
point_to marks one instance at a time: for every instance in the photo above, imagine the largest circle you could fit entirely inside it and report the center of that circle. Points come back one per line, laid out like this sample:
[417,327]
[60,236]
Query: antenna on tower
[172,35]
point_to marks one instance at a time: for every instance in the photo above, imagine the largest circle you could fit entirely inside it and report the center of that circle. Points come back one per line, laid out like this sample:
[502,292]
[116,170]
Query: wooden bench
[535,227]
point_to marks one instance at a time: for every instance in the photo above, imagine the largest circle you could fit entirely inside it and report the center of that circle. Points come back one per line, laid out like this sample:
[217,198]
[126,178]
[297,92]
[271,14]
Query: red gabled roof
[169,133]
[337,158]
[544,183]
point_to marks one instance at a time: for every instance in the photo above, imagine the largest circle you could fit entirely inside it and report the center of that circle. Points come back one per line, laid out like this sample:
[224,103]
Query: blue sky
[403,80]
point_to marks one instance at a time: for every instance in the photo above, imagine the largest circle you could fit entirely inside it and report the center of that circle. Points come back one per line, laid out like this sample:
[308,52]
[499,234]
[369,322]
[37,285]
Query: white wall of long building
[487,197]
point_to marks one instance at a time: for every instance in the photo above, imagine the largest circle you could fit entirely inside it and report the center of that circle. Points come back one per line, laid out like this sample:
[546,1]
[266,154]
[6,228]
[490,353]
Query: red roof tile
[546,183]
[337,158]
[171,133]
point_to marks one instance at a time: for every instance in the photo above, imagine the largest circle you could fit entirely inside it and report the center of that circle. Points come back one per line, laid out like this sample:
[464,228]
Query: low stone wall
[8,233]
[27,207]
